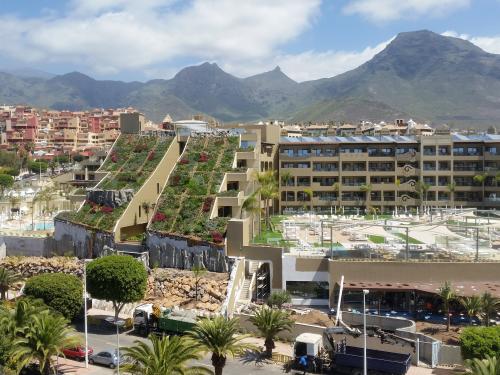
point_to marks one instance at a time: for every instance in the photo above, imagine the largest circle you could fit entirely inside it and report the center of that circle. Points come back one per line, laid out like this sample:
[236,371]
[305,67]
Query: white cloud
[109,36]
[490,44]
[389,10]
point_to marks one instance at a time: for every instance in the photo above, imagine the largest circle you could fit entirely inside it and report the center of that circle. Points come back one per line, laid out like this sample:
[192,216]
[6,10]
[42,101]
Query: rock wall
[170,252]
[82,241]
[30,266]
[110,198]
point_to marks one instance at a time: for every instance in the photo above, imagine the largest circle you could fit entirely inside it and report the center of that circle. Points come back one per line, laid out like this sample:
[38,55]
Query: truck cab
[307,350]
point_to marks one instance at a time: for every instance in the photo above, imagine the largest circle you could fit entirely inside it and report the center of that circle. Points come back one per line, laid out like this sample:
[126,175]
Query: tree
[447,296]
[490,365]
[309,194]
[46,336]
[422,190]
[146,206]
[120,279]
[37,166]
[52,165]
[479,342]
[15,320]
[472,306]
[481,179]
[336,187]
[219,336]
[268,190]
[451,189]
[251,205]
[278,299]
[59,291]
[270,322]
[398,184]
[13,202]
[490,306]
[367,189]
[198,272]
[165,355]
[7,279]
[6,182]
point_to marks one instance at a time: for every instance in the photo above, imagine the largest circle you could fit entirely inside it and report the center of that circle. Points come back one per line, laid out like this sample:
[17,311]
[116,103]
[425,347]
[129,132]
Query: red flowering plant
[207,204]
[159,216]
[106,209]
[151,155]
[184,161]
[217,237]
[203,157]
[114,157]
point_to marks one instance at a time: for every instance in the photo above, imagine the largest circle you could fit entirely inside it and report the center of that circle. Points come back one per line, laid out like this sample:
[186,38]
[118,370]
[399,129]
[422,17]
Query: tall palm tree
[220,337]
[451,189]
[367,189]
[146,206]
[13,201]
[268,190]
[166,355]
[487,366]
[490,305]
[251,205]
[270,322]
[15,320]
[423,190]
[337,187]
[7,279]
[472,306]
[447,296]
[397,182]
[309,194]
[481,179]
[46,336]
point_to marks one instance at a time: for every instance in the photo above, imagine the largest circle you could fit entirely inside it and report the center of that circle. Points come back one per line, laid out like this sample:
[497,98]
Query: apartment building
[359,172]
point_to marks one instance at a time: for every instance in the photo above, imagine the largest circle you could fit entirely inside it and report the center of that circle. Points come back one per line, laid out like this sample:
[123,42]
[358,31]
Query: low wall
[171,252]
[82,241]
[236,281]
[25,246]
[450,355]
[384,322]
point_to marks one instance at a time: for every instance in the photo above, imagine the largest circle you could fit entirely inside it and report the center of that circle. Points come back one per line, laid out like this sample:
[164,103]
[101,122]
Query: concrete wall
[25,246]
[450,355]
[149,193]
[168,251]
[131,123]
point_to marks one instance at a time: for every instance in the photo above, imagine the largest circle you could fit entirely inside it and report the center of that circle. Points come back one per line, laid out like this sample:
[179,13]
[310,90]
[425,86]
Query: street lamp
[85,261]
[365,292]
[118,323]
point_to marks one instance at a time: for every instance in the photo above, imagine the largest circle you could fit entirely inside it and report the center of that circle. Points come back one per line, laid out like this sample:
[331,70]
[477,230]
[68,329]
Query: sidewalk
[281,347]
[68,366]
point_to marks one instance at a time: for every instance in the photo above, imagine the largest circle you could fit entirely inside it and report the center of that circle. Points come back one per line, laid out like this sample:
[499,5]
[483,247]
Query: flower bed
[186,203]
[132,159]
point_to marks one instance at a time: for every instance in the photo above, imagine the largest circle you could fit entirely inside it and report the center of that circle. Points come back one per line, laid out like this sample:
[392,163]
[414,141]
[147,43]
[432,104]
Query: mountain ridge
[419,74]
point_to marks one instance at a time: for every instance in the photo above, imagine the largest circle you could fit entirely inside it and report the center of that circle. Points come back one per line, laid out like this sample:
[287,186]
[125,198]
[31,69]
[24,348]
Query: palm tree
[165,355]
[367,189]
[423,190]
[268,190]
[219,336]
[481,179]
[309,194]
[7,278]
[251,205]
[472,306]
[13,201]
[285,177]
[398,184]
[198,272]
[447,295]
[490,306]
[146,206]
[46,336]
[451,188]
[270,322]
[336,187]
[487,366]
[16,319]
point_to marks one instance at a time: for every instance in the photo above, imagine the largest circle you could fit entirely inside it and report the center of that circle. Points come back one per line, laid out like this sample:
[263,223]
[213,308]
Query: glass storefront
[308,289]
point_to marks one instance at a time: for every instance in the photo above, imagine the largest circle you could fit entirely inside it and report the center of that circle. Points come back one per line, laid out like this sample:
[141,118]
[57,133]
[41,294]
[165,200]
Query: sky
[146,39]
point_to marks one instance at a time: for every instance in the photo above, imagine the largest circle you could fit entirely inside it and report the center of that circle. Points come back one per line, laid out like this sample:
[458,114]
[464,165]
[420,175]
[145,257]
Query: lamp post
[85,261]
[119,323]
[365,292]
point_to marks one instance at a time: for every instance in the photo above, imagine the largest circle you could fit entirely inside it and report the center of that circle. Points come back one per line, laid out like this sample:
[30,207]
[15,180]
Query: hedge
[477,342]
[61,292]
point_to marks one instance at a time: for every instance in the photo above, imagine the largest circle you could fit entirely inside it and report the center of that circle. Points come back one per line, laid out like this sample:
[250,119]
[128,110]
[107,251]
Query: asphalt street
[102,340]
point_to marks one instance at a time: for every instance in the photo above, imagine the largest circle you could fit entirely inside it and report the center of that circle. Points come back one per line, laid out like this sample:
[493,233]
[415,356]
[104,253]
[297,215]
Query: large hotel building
[325,173]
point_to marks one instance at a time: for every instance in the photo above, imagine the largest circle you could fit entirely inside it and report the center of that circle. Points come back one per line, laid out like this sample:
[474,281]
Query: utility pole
[407,245]
[477,244]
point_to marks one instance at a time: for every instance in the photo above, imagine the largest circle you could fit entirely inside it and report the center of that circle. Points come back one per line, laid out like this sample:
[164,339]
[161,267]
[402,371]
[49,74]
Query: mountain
[28,73]
[420,74]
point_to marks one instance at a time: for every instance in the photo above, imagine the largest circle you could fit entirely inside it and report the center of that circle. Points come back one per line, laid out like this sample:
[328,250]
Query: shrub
[59,291]
[159,216]
[477,342]
[106,209]
[279,298]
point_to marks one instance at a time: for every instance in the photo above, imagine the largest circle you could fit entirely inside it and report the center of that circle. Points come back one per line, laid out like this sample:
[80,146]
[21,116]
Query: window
[303,181]
[429,150]
[308,289]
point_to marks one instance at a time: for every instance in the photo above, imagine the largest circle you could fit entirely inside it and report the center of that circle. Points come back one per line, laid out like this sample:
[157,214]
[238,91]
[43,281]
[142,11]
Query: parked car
[77,353]
[106,358]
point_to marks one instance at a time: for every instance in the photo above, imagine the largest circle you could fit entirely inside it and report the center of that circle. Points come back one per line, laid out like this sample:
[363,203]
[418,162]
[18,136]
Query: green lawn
[411,240]
[376,239]
[378,217]
[271,238]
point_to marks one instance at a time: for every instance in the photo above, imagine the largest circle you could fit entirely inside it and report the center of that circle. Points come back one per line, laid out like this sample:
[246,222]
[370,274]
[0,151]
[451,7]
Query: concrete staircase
[248,284]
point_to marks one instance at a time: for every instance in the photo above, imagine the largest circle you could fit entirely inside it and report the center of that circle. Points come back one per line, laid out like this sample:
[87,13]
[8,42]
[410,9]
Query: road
[101,340]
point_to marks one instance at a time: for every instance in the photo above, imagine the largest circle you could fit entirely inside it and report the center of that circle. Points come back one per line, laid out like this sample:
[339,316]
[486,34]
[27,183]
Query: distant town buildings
[51,132]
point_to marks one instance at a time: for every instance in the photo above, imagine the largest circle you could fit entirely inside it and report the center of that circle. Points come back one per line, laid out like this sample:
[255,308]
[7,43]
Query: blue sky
[145,39]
